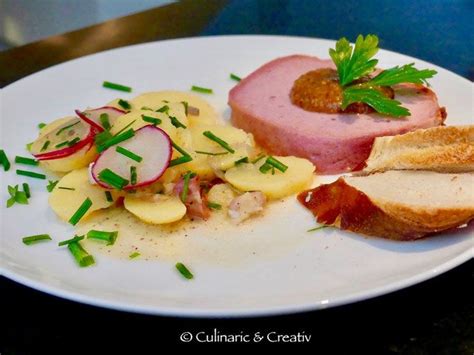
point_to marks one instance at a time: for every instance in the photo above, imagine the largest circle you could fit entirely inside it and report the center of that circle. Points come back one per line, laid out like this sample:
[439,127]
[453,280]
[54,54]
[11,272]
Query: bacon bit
[246,205]
[196,201]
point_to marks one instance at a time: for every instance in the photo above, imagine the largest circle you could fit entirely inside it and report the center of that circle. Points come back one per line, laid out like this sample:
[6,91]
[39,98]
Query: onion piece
[193,111]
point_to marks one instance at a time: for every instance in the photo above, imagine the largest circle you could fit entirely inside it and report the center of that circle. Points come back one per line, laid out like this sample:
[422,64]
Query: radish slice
[150,143]
[63,141]
[92,116]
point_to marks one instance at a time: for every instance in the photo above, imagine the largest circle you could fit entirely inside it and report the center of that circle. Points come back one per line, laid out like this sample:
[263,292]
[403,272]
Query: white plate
[270,266]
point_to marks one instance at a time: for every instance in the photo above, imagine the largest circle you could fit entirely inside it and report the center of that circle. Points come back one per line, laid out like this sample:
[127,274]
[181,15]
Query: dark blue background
[439,31]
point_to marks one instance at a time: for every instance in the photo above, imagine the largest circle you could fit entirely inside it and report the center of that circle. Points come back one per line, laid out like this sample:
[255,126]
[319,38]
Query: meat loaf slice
[335,143]
[401,205]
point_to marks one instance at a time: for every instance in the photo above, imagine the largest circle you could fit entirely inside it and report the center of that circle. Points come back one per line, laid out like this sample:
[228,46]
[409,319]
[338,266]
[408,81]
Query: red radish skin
[145,142]
[94,114]
[67,151]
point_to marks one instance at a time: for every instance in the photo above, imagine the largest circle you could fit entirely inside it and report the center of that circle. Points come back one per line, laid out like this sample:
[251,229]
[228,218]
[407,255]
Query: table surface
[434,317]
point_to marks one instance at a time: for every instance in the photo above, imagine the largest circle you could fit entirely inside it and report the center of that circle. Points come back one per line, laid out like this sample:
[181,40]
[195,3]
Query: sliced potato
[81,158]
[247,177]
[53,125]
[66,202]
[222,194]
[154,100]
[159,210]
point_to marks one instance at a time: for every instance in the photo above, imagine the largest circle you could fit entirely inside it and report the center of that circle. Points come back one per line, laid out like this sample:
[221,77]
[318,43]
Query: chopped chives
[184,271]
[186,106]
[134,255]
[62,144]
[51,185]
[152,120]
[116,140]
[109,237]
[214,205]
[104,120]
[35,238]
[180,160]
[317,228]
[128,154]
[257,159]
[201,89]
[4,160]
[124,128]
[114,86]
[83,258]
[164,109]
[146,108]
[45,146]
[235,77]
[210,153]
[30,174]
[186,178]
[241,161]
[276,164]
[16,196]
[28,146]
[133,175]
[66,188]
[124,104]
[273,170]
[112,179]
[265,168]
[177,123]
[72,240]
[81,211]
[26,190]
[26,161]
[41,125]
[179,149]
[108,196]
[67,127]
[74,141]
[219,141]
[102,137]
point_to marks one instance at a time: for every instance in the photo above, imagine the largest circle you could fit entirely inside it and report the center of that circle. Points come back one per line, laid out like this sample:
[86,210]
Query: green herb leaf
[374,99]
[404,74]
[35,238]
[201,89]
[129,154]
[83,258]
[235,77]
[184,271]
[104,120]
[214,205]
[81,211]
[109,237]
[51,185]
[114,86]
[124,104]
[112,179]
[31,174]
[26,161]
[4,160]
[72,240]
[134,255]
[221,142]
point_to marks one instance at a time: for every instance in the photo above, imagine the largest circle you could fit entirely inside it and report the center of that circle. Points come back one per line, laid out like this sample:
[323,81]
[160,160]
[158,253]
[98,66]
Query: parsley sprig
[356,62]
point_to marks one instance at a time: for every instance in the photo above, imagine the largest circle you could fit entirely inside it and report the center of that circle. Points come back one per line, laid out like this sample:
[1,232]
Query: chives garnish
[31,174]
[186,178]
[124,104]
[41,125]
[179,149]
[109,237]
[177,123]
[116,140]
[26,161]
[114,86]
[104,120]
[81,211]
[112,179]
[219,141]
[82,257]
[28,146]
[128,154]
[164,109]
[214,205]
[201,89]
[108,196]
[235,77]
[152,120]
[45,146]
[16,196]
[276,164]
[4,160]
[26,190]
[146,108]
[74,141]
[317,228]
[210,153]
[133,175]
[241,161]
[257,159]
[35,238]
[134,255]
[72,240]
[180,160]
[186,105]
[124,128]
[67,127]
[265,168]
[183,270]
[66,188]
[62,144]
[51,185]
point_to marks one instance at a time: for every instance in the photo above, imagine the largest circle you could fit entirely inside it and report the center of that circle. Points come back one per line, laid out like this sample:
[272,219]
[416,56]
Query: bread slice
[401,205]
[443,149]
